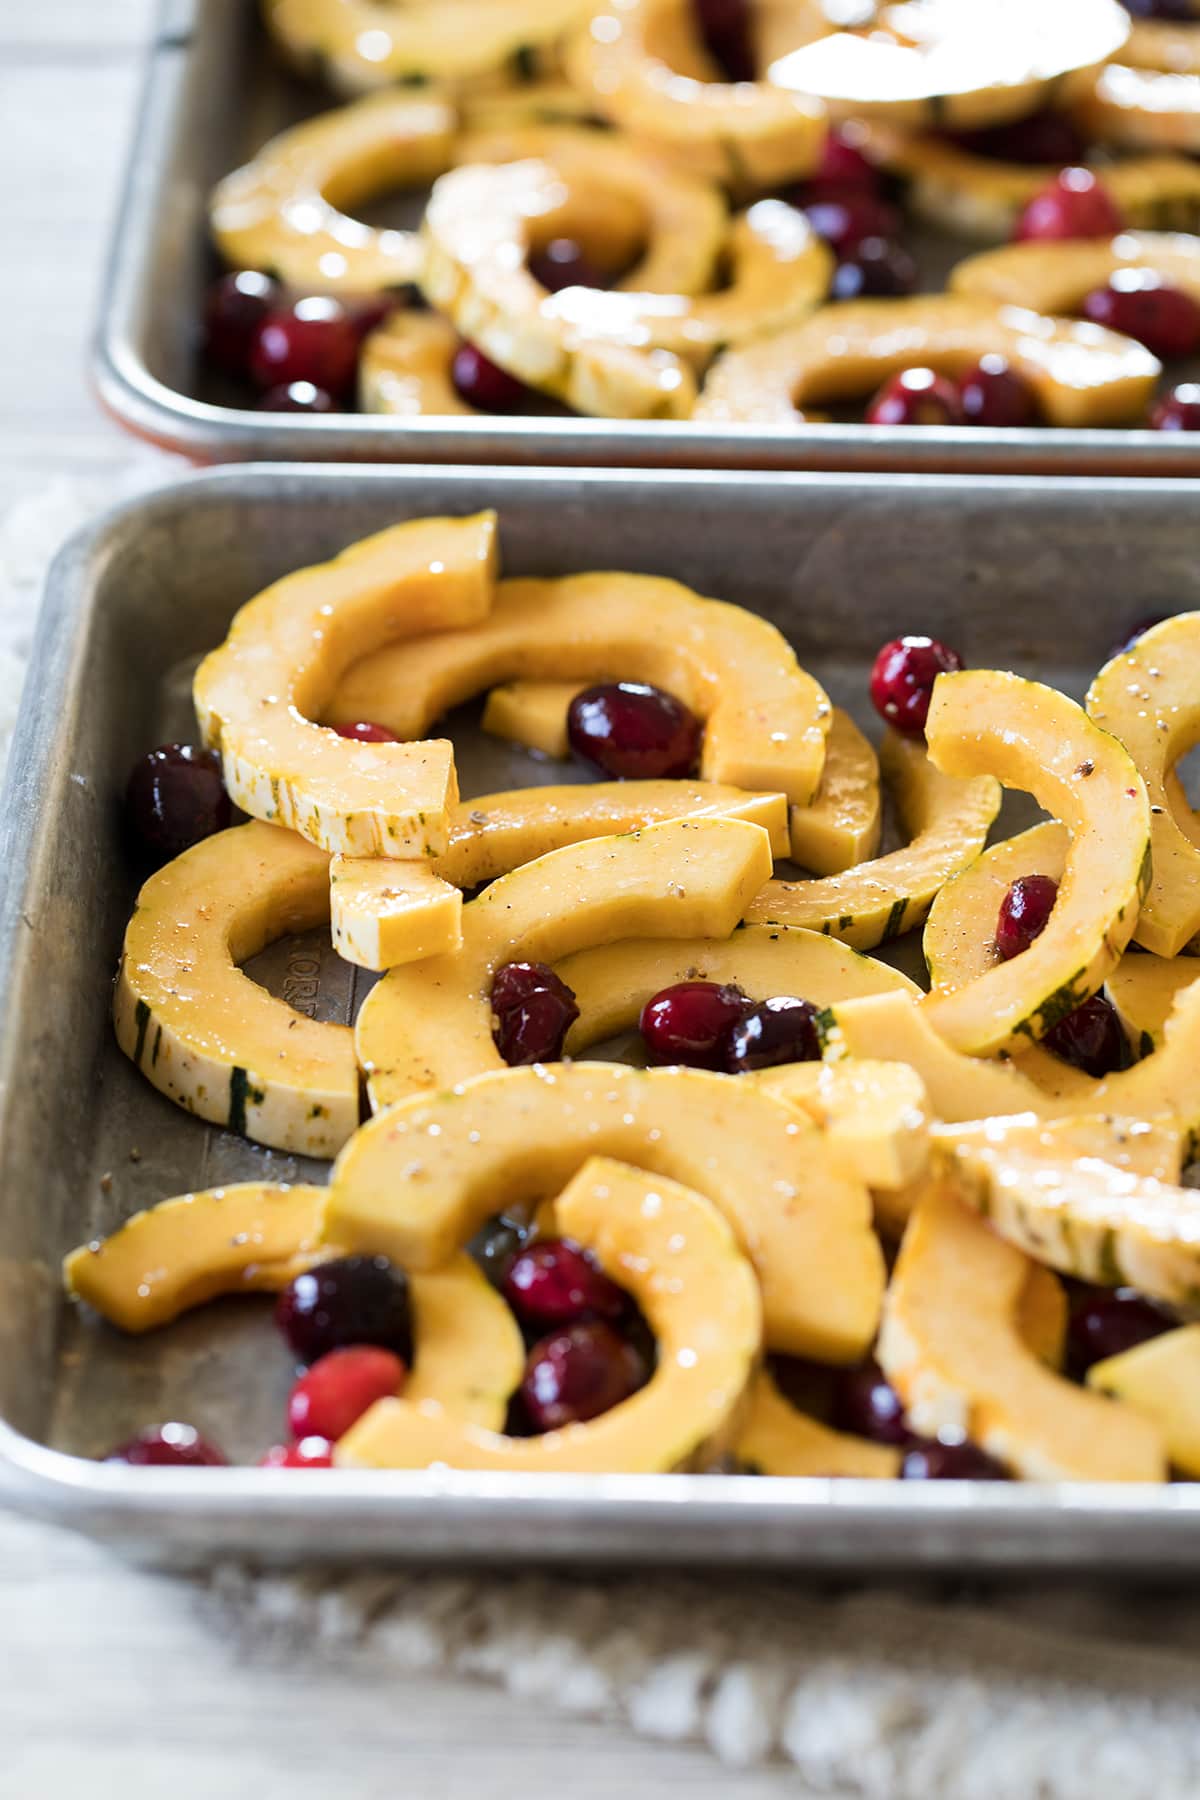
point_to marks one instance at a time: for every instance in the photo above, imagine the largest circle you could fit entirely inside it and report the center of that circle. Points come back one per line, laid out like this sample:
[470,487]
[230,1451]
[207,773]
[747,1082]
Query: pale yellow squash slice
[420,1178]
[947,820]
[950,1344]
[383,913]
[1161,1380]
[1081,375]
[766,719]
[1144,989]
[1169,44]
[1043,1315]
[199,1029]
[533,713]
[405,368]
[875,1115]
[1142,109]
[776,1438]
[1058,277]
[468,1352]
[259,695]
[548,101]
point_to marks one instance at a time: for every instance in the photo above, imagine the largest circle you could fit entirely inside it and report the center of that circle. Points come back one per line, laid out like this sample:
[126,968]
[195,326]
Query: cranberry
[902,678]
[309,1453]
[1042,138]
[631,730]
[1142,306]
[563,263]
[514,982]
[864,1402]
[1074,205]
[235,308]
[314,340]
[174,797]
[992,393]
[845,215]
[1024,913]
[688,1023]
[916,397]
[555,1282]
[724,25]
[350,1300]
[1179,410]
[577,1374]
[535,1030]
[480,383]
[368,311]
[495,1246]
[363,732]
[1176,10]
[296,396]
[950,1457]
[878,268]
[337,1390]
[1090,1038]
[1137,631]
[844,164]
[172,1446]
[1107,1322]
[782,1030]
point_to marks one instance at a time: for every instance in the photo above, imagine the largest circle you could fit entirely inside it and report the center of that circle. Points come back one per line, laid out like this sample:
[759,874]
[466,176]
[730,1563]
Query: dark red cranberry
[309,1453]
[1024,913]
[514,982]
[1179,410]
[902,678]
[337,1390]
[688,1023]
[562,263]
[865,1403]
[235,308]
[172,1446]
[350,1300]
[313,340]
[363,732]
[297,397]
[1091,1038]
[1177,11]
[577,1374]
[556,1282]
[844,164]
[495,1245]
[725,27]
[176,796]
[633,731]
[782,1030]
[535,1030]
[480,383]
[878,268]
[1074,205]
[950,1458]
[845,215]
[1140,304]
[916,397]
[993,394]
[1137,631]
[1107,1322]
[1045,138]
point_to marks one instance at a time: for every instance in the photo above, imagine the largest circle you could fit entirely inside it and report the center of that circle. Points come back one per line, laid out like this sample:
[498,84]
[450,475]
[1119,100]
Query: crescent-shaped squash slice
[982,722]
[875,1115]
[947,820]
[950,1344]
[1144,989]
[1148,698]
[675,1253]
[776,1438]
[1058,277]
[206,1035]
[1142,109]
[1043,1314]
[1161,1380]
[468,1352]
[405,368]
[1081,375]
[258,696]
[419,1179]
[548,101]
[766,719]
[289,209]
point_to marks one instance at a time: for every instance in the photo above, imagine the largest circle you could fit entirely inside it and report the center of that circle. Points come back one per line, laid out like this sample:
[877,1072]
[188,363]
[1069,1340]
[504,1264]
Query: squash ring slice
[405,369]
[1142,109]
[1057,278]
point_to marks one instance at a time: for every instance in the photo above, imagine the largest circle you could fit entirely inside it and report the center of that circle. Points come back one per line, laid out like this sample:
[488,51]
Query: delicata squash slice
[405,368]
[1058,277]
[1142,109]
[776,1438]
[1144,989]
[1169,44]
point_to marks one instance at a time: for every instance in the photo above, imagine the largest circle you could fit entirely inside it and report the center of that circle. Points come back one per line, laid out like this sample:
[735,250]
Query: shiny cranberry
[845,215]
[363,732]
[1137,631]
[309,1453]
[172,1446]
[993,394]
[844,164]
[1091,1038]
[312,340]
[1107,1322]
[902,678]
[297,397]
[782,1030]
[1024,913]
[577,1374]
[1139,304]
[350,1300]
[1074,205]
[481,383]
[562,263]
[725,27]
[337,1390]
[950,1458]
[864,1402]
[1179,410]
[555,1282]
[689,1023]
[514,982]
[235,308]
[176,796]
[631,730]
[1043,138]
[916,397]
[495,1245]
[878,268]
[535,1030]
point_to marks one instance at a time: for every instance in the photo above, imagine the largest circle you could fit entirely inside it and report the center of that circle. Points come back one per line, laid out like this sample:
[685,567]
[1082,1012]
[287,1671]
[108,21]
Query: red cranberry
[902,678]
[480,383]
[495,1245]
[688,1023]
[1179,410]
[1091,1038]
[1043,138]
[1142,306]
[309,1453]
[337,1390]
[878,268]
[916,397]
[992,393]
[577,1374]
[1107,1322]
[514,982]
[172,1446]
[235,308]
[296,397]
[535,1030]
[350,1300]
[1024,913]
[864,1402]
[363,732]
[176,796]
[314,340]
[844,215]
[725,27]
[782,1030]
[555,1282]
[844,164]
[950,1458]
[563,263]
[1074,205]
[632,731]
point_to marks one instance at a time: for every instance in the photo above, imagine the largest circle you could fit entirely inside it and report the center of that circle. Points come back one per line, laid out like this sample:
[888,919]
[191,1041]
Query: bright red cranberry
[309,1453]
[1139,304]
[1024,913]
[844,164]
[902,678]
[363,732]
[314,340]
[845,215]
[562,263]
[297,397]
[556,1282]
[1045,138]
[577,1374]
[337,1390]
[916,397]
[1137,631]
[1179,410]
[1091,1038]
[725,27]
[480,383]
[496,1244]
[350,1300]
[632,731]
[878,268]
[781,1030]
[1074,205]
[950,1458]
[993,394]
[1107,1322]
[864,1402]
[514,982]
[176,796]
[688,1023]
[535,1030]
[235,308]
[172,1446]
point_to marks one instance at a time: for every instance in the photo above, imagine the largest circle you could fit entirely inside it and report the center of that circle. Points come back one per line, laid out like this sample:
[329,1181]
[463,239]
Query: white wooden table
[112,1683]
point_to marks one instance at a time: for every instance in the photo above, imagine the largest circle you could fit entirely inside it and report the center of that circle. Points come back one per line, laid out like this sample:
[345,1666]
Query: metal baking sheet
[1039,577]
[214,93]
